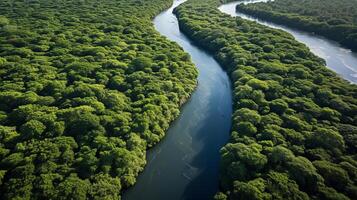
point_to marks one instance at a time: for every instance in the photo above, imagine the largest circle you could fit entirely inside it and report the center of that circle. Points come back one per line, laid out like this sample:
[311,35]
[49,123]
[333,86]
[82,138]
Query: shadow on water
[205,184]
[201,187]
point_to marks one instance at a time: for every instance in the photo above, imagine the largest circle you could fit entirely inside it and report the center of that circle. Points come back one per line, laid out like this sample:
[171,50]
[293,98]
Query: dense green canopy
[294,122]
[336,20]
[85,88]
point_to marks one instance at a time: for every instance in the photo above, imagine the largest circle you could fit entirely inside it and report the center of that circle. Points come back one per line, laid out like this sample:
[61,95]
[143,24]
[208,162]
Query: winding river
[339,59]
[184,165]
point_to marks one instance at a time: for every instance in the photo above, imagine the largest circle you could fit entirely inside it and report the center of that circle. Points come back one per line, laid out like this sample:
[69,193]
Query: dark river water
[184,165]
[339,59]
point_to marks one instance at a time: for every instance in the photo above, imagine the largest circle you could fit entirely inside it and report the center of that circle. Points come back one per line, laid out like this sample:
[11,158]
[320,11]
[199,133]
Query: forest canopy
[294,123]
[85,88]
[336,20]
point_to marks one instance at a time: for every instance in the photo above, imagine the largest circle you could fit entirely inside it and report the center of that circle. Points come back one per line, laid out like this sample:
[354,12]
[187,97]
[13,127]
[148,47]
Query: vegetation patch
[294,122]
[85,88]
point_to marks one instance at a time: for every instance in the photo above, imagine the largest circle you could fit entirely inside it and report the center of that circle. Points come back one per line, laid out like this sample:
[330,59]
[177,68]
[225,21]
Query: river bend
[184,165]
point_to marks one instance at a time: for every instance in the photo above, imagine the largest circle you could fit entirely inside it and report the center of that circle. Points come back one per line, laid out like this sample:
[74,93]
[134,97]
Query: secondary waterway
[341,60]
[185,164]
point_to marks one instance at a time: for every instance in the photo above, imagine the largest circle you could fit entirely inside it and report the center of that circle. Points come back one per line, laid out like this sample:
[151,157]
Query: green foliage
[85,88]
[220,196]
[246,128]
[281,187]
[247,115]
[73,187]
[304,173]
[336,20]
[241,162]
[333,175]
[294,120]
[32,129]
[140,63]
[3,21]
[278,106]
[327,139]
[105,187]
[252,190]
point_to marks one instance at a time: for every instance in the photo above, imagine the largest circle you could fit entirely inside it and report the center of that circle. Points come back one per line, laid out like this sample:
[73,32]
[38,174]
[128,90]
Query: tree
[32,129]
[281,187]
[331,194]
[3,21]
[18,188]
[258,84]
[247,103]
[333,175]
[330,114]
[327,138]
[82,121]
[271,118]
[278,106]
[280,155]
[45,183]
[271,133]
[140,63]
[87,162]
[247,115]
[349,133]
[294,122]
[238,158]
[246,128]
[73,187]
[105,186]
[12,160]
[253,190]
[304,173]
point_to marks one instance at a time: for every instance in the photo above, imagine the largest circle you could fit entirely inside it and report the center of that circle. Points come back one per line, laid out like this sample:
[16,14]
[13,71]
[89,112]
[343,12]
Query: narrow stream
[184,165]
[339,59]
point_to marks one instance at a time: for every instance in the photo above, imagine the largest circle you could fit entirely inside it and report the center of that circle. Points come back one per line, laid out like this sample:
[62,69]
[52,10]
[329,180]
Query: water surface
[341,60]
[184,165]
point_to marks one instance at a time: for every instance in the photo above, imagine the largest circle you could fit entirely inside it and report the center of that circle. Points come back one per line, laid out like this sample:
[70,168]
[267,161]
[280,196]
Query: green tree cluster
[294,123]
[85,88]
[336,20]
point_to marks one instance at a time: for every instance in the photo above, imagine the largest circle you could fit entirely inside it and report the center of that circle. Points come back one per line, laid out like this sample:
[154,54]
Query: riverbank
[288,107]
